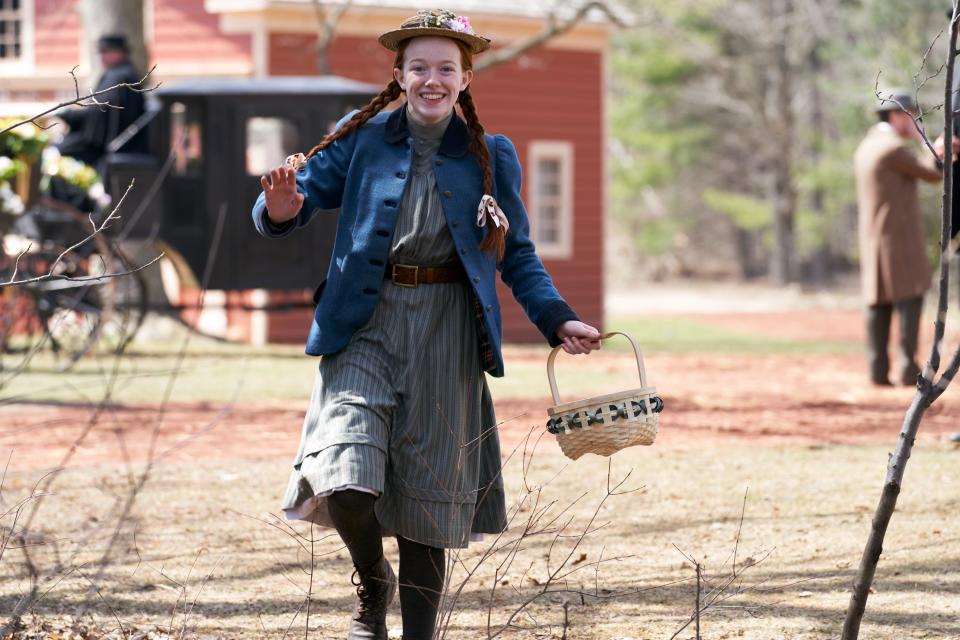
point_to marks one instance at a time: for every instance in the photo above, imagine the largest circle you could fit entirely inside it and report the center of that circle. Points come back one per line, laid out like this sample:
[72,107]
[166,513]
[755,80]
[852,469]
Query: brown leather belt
[409,275]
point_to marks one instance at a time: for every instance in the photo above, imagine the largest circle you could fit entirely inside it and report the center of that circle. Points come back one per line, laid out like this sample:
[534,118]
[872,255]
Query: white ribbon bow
[490,209]
[295,161]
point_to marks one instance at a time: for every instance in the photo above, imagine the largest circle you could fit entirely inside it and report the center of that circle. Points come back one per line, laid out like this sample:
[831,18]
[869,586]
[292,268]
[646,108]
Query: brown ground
[709,397]
[202,556]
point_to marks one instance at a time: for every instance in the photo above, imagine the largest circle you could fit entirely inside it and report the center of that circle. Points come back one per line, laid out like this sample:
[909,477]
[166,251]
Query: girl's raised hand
[281,195]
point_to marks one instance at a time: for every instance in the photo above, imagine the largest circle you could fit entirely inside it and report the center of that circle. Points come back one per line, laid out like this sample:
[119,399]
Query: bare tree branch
[88,100]
[551,29]
[327,19]
[96,229]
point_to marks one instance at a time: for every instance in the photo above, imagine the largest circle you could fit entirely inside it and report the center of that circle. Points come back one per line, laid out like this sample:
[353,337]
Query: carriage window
[186,139]
[269,142]
[551,197]
[11,30]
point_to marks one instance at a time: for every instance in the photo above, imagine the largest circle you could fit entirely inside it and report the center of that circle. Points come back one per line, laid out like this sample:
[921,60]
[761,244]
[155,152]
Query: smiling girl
[400,437]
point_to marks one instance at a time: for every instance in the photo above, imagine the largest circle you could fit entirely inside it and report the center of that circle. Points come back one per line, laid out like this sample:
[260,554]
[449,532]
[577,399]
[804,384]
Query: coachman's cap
[112,41]
[896,100]
[436,22]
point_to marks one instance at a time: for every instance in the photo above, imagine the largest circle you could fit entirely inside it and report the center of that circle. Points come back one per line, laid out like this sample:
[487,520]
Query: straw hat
[435,22]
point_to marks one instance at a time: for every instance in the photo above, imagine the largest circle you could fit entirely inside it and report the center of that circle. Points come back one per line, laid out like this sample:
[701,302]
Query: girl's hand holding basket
[578,337]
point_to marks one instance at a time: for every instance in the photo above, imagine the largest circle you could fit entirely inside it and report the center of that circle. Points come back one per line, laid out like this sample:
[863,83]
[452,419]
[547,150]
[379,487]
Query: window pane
[548,222]
[269,142]
[550,216]
[186,139]
[549,236]
[550,166]
[550,189]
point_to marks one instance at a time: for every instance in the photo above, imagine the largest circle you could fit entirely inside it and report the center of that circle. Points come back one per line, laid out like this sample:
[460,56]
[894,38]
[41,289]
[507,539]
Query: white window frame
[26,63]
[562,151]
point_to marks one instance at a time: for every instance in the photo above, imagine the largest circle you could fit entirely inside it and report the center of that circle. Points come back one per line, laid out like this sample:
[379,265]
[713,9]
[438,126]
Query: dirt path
[710,399]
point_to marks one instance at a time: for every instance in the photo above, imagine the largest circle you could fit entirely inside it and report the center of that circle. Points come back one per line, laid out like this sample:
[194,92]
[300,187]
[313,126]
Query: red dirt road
[710,399]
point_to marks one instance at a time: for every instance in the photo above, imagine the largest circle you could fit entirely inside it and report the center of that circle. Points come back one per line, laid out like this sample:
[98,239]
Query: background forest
[733,124]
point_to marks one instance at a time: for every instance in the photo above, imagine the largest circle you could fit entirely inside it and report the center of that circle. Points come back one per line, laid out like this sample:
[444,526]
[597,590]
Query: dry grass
[202,560]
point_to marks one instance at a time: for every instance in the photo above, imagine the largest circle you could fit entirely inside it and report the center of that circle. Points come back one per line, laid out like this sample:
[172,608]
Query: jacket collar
[456,139]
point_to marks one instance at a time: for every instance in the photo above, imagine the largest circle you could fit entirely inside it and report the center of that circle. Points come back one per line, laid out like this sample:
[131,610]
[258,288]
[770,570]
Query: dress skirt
[403,411]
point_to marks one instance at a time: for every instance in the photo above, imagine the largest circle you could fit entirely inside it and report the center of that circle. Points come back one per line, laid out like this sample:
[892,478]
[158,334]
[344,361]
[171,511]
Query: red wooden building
[548,100]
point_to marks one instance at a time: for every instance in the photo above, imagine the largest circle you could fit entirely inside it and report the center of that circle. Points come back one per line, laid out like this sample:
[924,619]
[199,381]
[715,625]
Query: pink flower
[460,24]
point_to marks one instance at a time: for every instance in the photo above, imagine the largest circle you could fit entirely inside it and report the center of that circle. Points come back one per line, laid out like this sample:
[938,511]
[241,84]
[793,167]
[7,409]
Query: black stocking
[422,570]
[352,514]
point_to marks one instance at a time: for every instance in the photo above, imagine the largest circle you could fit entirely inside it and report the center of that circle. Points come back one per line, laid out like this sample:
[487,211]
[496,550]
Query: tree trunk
[784,195]
[927,390]
[328,17]
[101,17]
[881,518]
[821,272]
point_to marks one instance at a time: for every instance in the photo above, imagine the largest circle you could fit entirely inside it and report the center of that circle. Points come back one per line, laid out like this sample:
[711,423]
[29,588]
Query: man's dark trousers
[878,336]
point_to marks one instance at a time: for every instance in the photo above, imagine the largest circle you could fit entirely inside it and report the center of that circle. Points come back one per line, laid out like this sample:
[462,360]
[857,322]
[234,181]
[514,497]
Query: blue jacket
[364,175]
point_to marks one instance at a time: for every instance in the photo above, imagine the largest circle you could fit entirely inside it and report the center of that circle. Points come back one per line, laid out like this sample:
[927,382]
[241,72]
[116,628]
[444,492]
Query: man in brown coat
[894,268]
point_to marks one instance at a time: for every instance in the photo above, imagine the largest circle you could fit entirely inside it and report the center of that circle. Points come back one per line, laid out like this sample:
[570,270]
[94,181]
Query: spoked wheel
[72,305]
[75,296]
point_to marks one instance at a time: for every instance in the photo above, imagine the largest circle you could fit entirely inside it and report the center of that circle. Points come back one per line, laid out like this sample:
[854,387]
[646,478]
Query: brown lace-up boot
[376,586]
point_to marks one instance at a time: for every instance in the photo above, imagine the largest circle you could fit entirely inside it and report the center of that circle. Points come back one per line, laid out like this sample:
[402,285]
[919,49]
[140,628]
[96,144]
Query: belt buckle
[408,267]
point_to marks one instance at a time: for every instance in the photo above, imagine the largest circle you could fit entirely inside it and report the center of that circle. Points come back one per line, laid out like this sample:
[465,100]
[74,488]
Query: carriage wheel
[72,305]
[73,313]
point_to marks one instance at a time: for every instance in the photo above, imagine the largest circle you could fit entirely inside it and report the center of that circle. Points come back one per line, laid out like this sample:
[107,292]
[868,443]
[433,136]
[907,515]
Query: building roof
[537,9]
[290,85]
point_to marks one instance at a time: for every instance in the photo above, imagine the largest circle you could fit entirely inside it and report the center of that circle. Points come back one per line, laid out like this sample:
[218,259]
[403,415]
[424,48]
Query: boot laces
[369,600]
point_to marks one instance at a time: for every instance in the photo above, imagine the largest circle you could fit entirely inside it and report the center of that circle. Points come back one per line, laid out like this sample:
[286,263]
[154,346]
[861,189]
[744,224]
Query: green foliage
[10,168]
[654,141]
[746,212]
[26,141]
[690,111]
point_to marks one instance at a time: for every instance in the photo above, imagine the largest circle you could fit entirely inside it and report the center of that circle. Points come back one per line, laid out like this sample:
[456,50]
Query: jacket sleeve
[321,182]
[905,161]
[521,269]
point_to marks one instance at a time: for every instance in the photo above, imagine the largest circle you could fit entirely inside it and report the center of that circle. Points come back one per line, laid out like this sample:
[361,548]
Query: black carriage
[212,140]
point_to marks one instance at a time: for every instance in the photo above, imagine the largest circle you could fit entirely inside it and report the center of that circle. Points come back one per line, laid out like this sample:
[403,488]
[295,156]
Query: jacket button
[476,279]
[401,175]
[489,307]
[463,252]
[390,203]
[447,194]
[439,162]
[455,223]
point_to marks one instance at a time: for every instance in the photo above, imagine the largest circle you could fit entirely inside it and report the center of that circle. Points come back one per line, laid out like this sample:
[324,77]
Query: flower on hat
[461,24]
[436,21]
[440,19]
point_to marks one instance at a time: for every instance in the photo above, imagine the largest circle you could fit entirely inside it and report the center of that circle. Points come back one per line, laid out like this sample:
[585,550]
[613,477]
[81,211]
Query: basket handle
[636,350]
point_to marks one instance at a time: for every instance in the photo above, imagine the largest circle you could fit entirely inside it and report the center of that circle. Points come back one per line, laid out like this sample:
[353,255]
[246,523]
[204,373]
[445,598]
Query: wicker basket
[605,424]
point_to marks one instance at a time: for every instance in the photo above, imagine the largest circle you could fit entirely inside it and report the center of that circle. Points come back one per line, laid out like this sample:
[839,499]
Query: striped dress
[403,411]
